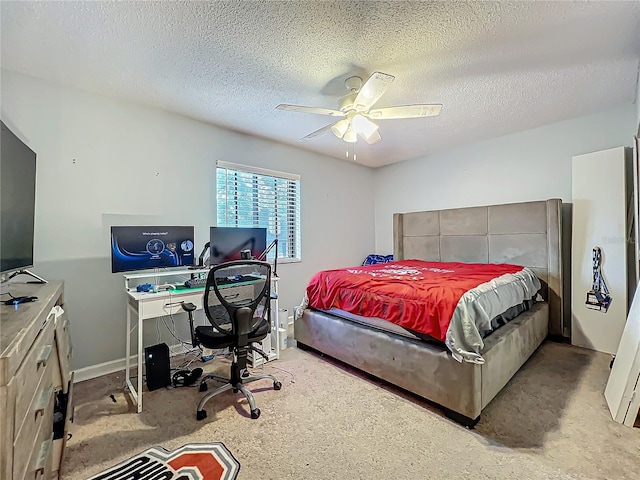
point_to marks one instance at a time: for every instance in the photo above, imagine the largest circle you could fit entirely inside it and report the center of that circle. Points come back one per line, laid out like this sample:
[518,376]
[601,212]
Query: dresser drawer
[41,464]
[63,349]
[7,394]
[37,428]
[31,372]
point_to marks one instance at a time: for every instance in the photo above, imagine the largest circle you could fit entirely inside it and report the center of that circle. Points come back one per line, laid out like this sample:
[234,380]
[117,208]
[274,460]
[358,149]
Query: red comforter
[414,294]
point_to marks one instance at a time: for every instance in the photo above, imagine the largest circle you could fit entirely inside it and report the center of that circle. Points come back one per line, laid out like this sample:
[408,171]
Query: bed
[526,234]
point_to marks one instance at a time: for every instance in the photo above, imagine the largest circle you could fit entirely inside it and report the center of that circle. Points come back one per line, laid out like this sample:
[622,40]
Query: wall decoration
[598,297]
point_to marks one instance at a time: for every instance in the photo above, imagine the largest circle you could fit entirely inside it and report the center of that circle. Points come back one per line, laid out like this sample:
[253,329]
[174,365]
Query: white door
[599,220]
[622,391]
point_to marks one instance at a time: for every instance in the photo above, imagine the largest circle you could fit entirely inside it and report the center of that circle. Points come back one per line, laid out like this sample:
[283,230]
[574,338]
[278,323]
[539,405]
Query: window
[255,197]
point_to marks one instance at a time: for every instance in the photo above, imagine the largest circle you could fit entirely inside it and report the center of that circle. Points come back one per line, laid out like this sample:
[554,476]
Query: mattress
[455,303]
[385,326]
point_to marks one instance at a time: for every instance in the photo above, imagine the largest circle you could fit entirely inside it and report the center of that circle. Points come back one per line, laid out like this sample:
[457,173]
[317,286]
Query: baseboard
[95,371]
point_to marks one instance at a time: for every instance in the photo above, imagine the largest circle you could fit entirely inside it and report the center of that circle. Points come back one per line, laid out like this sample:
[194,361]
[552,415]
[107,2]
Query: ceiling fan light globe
[364,126]
[374,138]
[350,136]
[340,128]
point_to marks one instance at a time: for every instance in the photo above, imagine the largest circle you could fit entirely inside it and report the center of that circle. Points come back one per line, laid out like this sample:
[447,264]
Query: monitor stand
[26,272]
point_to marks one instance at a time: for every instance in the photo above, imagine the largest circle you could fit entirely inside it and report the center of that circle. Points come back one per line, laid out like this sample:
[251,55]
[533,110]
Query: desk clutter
[196,281]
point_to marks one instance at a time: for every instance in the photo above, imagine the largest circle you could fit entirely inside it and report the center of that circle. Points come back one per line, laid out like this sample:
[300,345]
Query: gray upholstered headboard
[527,234]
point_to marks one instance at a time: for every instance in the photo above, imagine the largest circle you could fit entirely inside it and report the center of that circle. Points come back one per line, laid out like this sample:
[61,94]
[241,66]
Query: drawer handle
[43,403]
[45,353]
[229,297]
[45,450]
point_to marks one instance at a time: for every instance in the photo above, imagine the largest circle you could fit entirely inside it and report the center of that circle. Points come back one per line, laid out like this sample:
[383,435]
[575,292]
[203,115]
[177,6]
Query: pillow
[373,259]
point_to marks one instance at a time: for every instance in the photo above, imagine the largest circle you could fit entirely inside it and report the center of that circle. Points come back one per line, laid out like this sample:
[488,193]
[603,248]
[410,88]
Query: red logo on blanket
[194,461]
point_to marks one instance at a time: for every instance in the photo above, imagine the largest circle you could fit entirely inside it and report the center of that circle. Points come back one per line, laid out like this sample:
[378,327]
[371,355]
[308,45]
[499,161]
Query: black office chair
[240,317]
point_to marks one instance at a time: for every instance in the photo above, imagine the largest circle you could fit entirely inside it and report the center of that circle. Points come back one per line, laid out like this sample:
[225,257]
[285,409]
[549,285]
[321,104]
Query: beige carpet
[550,422]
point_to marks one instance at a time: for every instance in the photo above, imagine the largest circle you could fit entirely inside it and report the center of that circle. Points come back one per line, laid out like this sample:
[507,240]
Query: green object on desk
[182,286]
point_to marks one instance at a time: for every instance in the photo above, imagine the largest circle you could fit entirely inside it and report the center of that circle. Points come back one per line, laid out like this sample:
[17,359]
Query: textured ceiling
[497,67]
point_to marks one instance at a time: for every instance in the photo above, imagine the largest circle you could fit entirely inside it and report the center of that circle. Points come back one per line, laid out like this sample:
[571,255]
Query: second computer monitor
[228,243]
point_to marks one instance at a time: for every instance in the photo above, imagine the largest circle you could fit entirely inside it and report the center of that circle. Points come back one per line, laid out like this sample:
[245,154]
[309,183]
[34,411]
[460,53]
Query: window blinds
[255,197]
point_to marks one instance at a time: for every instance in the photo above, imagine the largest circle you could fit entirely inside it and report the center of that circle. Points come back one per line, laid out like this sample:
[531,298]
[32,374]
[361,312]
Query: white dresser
[35,381]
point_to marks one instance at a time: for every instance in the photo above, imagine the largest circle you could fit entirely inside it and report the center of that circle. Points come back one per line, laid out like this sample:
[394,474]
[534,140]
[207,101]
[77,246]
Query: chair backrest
[242,289]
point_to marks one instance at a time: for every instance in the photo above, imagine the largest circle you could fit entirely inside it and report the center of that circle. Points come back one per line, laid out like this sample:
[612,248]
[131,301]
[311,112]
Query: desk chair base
[201,413]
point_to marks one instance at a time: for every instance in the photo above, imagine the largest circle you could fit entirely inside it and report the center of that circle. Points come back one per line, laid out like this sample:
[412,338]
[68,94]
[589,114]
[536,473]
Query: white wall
[103,161]
[526,166]
[638,105]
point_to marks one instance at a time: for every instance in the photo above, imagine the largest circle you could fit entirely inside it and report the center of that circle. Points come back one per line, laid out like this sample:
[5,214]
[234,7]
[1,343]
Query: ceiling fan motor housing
[353,84]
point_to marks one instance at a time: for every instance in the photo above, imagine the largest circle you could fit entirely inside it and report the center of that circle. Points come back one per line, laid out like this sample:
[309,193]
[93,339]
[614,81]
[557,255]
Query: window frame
[278,175]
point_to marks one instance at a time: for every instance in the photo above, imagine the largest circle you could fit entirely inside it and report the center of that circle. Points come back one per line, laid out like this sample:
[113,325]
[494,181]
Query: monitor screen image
[17,202]
[226,243]
[143,248]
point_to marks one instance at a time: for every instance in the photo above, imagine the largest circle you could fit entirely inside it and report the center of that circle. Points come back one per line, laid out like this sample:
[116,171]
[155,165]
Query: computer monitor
[144,248]
[228,243]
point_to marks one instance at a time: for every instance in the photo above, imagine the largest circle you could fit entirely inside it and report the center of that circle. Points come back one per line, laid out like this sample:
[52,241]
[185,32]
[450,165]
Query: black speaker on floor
[157,367]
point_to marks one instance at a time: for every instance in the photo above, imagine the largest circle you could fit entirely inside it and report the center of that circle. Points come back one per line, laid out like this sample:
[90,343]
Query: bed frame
[527,234]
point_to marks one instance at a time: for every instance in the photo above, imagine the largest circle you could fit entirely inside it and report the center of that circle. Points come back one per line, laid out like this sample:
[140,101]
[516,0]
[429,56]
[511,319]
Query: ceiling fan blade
[317,133]
[406,111]
[372,90]
[317,111]
[373,138]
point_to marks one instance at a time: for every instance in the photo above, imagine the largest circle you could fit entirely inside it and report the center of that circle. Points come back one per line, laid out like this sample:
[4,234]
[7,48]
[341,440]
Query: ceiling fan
[356,112]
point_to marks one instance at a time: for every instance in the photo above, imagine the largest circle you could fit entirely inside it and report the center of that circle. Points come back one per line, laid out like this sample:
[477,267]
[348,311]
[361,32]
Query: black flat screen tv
[145,248]
[17,202]
[227,243]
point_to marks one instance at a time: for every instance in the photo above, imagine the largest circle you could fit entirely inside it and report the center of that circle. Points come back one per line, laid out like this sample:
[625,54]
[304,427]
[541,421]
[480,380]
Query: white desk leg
[139,362]
[135,394]
[277,317]
[127,353]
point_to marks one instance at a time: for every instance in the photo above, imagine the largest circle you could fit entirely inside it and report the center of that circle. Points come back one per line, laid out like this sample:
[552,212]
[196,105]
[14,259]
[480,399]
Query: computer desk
[142,306]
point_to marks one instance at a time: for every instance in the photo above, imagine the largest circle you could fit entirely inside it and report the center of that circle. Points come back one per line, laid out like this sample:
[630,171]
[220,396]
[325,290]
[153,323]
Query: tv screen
[226,243]
[17,202]
[143,248]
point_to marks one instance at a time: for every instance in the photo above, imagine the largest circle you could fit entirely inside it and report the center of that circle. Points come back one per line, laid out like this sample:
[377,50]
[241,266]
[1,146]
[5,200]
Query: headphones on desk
[186,378]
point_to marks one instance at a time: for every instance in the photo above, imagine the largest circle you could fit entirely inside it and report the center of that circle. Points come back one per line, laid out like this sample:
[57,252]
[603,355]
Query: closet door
[622,392]
[599,222]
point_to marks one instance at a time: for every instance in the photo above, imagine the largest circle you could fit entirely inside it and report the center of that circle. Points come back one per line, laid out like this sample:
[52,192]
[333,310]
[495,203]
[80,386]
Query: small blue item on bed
[373,259]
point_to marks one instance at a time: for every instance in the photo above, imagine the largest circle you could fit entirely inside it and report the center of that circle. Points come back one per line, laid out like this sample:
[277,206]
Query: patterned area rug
[194,461]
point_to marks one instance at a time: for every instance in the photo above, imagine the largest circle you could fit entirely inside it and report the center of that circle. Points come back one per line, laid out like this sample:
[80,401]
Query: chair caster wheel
[277,385]
[203,386]
[235,390]
[245,373]
[254,413]
[201,414]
